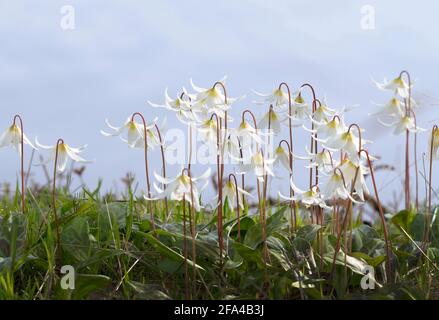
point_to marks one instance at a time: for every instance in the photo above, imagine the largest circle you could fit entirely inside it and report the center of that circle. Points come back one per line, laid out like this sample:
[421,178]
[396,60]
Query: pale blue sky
[122,53]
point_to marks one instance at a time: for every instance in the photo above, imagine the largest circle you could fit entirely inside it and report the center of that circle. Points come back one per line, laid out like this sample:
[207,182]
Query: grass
[116,255]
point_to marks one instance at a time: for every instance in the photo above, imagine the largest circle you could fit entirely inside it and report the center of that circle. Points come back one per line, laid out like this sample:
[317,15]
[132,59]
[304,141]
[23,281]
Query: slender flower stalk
[148,186]
[434,146]
[58,236]
[290,148]
[14,136]
[293,214]
[346,217]
[163,163]
[387,240]
[237,204]
[407,103]
[17,116]
[185,252]
[313,135]
[415,156]
[192,217]
[220,189]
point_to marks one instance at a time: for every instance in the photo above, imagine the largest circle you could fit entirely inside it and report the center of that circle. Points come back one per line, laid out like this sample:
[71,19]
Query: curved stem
[237,205]
[292,202]
[241,154]
[148,186]
[290,146]
[383,219]
[313,141]
[58,238]
[415,151]
[430,186]
[185,253]
[407,144]
[220,189]
[193,229]
[163,164]
[23,188]
[359,136]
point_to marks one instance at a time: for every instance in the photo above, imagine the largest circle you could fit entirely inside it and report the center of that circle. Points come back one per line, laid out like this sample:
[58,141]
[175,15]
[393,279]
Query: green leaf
[168,252]
[309,232]
[88,283]
[403,218]
[253,237]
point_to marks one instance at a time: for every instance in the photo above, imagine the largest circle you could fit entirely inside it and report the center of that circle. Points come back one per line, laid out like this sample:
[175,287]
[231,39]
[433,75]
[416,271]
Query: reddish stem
[17,116]
[427,223]
[237,205]
[163,163]
[383,219]
[148,186]
[58,238]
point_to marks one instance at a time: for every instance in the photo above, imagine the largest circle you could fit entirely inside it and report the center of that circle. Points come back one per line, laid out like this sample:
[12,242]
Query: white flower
[271,119]
[281,157]
[300,109]
[64,153]
[335,187]
[135,133]
[323,112]
[180,187]
[229,194]
[392,108]
[231,147]
[212,100]
[397,85]
[308,198]
[245,131]
[347,141]
[182,108]
[209,132]
[256,163]
[403,123]
[435,137]
[278,98]
[331,128]
[322,159]
[349,169]
[12,137]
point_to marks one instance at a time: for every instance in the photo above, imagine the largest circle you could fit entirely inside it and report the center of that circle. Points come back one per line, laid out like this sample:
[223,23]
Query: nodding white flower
[312,197]
[211,99]
[209,132]
[278,97]
[180,187]
[392,108]
[257,164]
[182,108]
[435,137]
[229,195]
[397,85]
[347,141]
[281,157]
[349,169]
[329,128]
[300,109]
[246,131]
[271,119]
[231,147]
[135,133]
[323,112]
[335,187]
[12,137]
[403,123]
[322,159]
[64,153]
